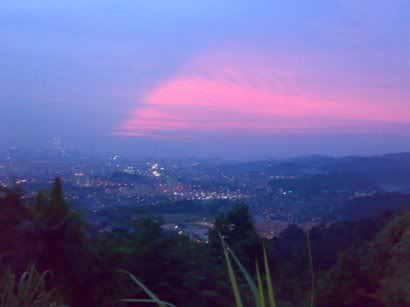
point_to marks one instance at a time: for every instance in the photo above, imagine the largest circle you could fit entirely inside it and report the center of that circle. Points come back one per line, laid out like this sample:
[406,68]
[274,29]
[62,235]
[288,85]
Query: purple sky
[235,79]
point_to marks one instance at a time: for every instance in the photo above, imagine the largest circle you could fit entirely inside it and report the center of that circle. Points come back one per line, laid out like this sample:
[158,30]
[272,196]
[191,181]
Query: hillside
[375,274]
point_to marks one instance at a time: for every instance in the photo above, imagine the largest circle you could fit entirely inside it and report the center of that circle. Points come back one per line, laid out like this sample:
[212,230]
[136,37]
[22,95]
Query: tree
[238,230]
[54,237]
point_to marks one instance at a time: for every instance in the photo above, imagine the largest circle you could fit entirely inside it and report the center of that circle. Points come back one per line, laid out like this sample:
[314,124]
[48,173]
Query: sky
[216,78]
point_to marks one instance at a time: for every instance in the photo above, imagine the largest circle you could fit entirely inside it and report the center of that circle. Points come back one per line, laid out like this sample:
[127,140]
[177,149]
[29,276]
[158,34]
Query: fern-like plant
[28,290]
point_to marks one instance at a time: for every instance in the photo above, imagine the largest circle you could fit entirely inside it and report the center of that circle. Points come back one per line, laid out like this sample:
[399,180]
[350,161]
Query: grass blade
[245,273]
[154,298]
[232,277]
[134,300]
[22,287]
[268,280]
[261,300]
[38,286]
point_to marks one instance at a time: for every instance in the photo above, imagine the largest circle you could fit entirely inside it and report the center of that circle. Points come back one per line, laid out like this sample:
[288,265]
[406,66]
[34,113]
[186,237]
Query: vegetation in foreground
[356,263]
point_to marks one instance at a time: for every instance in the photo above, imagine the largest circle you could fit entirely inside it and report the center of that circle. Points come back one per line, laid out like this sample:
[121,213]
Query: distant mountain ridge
[389,171]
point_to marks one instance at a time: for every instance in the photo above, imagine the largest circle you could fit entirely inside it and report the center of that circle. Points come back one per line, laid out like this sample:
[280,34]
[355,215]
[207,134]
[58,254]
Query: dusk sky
[232,79]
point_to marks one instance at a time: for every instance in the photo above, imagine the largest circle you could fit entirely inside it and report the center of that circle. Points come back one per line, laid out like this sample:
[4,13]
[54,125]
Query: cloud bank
[237,91]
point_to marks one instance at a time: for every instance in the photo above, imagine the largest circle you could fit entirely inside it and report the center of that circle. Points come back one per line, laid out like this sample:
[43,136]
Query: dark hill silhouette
[373,206]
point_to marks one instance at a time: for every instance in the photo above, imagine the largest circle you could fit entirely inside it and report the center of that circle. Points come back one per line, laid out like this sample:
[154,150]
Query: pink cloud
[231,92]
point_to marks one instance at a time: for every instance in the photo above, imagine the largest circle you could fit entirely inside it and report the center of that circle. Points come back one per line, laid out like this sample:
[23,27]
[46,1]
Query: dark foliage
[355,263]
[375,205]
[373,274]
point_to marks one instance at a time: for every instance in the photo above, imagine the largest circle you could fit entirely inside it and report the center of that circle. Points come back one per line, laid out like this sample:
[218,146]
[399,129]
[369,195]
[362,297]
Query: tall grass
[258,289]
[29,290]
